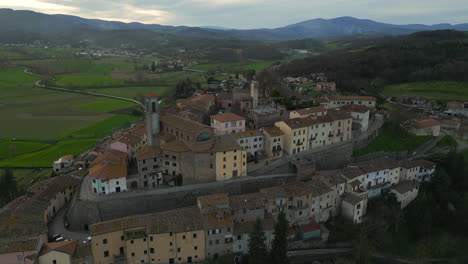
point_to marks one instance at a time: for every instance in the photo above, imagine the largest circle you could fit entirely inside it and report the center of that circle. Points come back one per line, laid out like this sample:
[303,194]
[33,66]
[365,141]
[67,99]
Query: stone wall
[83,213]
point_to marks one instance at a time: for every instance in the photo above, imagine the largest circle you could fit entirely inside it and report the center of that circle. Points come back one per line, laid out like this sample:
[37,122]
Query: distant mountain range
[18,22]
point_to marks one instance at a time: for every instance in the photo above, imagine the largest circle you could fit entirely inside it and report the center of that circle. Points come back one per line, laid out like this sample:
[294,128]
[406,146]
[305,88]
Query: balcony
[299,143]
[330,135]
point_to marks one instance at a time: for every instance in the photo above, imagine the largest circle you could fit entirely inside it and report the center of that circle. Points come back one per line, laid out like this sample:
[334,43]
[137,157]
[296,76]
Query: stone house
[108,173]
[305,112]
[360,116]
[339,100]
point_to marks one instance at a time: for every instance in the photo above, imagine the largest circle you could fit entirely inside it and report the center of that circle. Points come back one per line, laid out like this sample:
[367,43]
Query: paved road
[38,84]
[87,194]
[57,226]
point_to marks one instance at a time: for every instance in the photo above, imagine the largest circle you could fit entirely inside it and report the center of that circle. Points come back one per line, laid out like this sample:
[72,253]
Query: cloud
[250,13]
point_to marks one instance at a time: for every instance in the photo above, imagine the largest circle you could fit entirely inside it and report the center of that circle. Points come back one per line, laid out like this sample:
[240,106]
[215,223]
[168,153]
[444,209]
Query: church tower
[152,118]
[254,92]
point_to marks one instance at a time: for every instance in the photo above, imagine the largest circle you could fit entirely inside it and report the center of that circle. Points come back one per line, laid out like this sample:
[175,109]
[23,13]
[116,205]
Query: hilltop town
[188,183]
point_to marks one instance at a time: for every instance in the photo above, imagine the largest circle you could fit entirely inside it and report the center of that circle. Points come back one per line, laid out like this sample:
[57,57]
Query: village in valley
[188,182]
[324,142]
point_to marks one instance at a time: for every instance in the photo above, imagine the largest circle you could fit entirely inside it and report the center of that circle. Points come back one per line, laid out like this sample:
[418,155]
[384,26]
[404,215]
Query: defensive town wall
[82,213]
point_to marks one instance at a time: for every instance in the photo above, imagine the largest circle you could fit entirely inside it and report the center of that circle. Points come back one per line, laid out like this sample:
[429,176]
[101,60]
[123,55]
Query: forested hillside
[423,56]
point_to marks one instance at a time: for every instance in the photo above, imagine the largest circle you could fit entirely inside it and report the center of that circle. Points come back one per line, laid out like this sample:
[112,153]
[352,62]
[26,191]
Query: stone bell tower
[152,118]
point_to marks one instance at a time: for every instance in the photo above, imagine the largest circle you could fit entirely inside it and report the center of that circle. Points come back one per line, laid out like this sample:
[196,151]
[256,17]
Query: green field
[437,90]
[389,141]
[447,141]
[11,148]
[86,80]
[235,66]
[102,128]
[107,105]
[44,158]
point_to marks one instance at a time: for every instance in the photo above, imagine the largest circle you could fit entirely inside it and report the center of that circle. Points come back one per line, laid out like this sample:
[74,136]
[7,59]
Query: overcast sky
[245,14]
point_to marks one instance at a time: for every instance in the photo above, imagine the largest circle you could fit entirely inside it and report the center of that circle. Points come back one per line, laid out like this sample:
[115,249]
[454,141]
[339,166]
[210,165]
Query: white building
[251,141]
[360,114]
[108,173]
[63,163]
[405,192]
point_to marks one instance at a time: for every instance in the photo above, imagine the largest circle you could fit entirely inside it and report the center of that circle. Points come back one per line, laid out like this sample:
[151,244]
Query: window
[195,248]
[104,241]
[183,237]
[152,250]
[194,235]
[106,253]
[122,238]
[178,249]
[54,261]
[133,254]
[145,252]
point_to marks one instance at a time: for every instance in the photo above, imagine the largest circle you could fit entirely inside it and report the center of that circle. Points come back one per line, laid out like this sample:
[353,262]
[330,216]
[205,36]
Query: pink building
[227,123]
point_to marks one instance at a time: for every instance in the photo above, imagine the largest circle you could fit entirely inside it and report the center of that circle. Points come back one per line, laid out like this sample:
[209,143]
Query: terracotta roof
[214,201]
[204,98]
[377,165]
[225,143]
[18,245]
[336,114]
[405,186]
[148,152]
[182,123]
[352,172]
[149,95]
[311,110]
[227,117]
[351,97]
[287,190]
[318,186]
[451,122]
[356,108]
[426,123]
[177,220]
[67,247]
[249,200]
[175,146]
[273,131]
[109,165]
[248,133]
[409,164]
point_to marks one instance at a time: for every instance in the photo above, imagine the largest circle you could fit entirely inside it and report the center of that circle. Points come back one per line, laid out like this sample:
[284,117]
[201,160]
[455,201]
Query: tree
[8,187]
[153,66]
[257,247]
[279,248]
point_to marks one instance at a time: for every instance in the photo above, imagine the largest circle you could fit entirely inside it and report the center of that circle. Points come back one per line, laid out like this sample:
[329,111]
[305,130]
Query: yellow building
[175,236]
[302,134]
[231,160]
[57,252]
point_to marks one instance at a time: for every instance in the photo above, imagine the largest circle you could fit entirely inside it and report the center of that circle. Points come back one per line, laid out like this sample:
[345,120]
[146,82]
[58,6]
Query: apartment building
[360,114]
[302,134]
[175,236]
[251,141]
[340,100]
[227,123]
[274,140]
[305,112]
[230,159]
[149,167]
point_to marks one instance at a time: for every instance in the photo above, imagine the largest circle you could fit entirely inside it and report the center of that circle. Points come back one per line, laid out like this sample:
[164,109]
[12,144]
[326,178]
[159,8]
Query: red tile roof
[227,117]
[426,123]
[311,110]
[67,247]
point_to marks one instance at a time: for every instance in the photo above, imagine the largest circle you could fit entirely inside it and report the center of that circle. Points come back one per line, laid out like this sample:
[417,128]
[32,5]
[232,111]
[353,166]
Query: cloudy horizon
[248,14]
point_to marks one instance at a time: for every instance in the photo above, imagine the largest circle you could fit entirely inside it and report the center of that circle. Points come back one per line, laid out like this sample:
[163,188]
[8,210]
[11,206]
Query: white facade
[253,145]
[110,186]
[63,163]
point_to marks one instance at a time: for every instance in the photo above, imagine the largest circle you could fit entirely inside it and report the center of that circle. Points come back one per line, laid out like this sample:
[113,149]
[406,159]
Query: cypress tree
[258,253]
[279,248]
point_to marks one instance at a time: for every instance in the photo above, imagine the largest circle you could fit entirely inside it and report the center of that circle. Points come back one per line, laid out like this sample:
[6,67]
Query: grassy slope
[86,80]
[103,128]
[45,157]
[389,141]
[438,90]
[107,105]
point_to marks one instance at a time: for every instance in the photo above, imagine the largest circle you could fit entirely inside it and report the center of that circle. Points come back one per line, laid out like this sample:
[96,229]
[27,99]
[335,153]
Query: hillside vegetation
[420,57]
